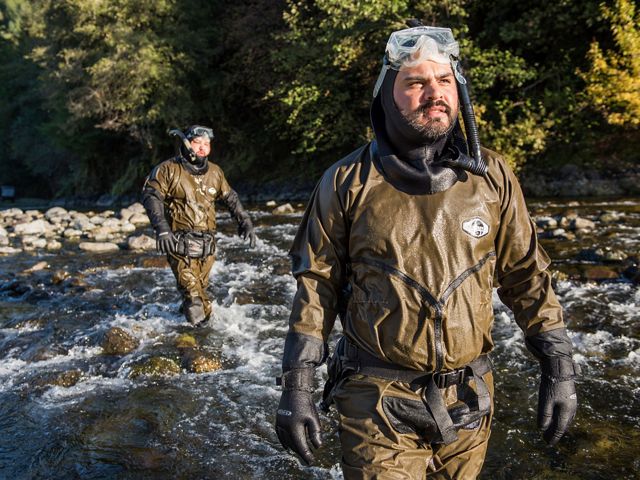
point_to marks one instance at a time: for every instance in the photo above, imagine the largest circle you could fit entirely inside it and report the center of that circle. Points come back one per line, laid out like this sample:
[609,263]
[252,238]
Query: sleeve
[524,282]
[154,191]
[319,256]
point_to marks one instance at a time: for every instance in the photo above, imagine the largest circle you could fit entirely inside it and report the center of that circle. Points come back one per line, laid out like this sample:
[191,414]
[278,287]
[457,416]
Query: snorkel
[420,43]
[185,144]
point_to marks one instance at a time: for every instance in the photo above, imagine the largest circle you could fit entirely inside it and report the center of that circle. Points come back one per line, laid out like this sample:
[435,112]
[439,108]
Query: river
[104,422]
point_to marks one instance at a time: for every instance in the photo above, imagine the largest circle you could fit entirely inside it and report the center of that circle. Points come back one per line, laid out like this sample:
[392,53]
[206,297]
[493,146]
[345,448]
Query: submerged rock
[60,379]
[197,361]
[156,367]
[186,341]
[204,363]
[118,342]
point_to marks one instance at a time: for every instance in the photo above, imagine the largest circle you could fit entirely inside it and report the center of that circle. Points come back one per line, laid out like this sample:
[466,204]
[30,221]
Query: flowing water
[104,422]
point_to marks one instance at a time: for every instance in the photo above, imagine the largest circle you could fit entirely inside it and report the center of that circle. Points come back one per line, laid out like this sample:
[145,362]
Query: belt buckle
[446,379]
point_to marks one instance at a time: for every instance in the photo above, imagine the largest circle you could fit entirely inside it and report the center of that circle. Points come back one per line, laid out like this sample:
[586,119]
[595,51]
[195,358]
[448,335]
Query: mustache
[433,103]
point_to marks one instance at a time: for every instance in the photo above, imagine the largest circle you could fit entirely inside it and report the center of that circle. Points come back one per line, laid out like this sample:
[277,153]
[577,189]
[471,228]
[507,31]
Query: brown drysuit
[421,269]
[179,200]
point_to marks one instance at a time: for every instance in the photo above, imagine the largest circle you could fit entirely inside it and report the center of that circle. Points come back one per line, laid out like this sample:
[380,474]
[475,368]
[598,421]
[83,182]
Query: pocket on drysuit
[414,416]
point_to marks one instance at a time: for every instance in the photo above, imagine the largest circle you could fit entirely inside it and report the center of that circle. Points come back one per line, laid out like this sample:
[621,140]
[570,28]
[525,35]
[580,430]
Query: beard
[434,128]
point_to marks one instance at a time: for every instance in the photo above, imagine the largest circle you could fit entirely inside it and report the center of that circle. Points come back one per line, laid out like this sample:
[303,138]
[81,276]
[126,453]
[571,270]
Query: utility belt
[348,359]
[194,244]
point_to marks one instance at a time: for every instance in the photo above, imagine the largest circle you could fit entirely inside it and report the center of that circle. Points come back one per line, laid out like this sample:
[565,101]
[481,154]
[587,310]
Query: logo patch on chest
[212,190]
[476,227]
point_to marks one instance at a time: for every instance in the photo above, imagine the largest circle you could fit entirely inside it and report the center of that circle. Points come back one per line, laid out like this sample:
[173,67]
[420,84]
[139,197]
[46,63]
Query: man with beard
[179,196]
[402,239]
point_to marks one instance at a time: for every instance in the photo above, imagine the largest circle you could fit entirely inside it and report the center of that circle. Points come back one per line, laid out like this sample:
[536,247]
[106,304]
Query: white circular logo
[476,227]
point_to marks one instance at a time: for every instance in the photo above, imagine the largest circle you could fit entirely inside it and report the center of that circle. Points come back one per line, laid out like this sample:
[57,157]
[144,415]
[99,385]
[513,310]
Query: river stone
[610,217]
[31,243]
[546,222]
[9,250]
[99,247]
[139,219]
[53,245]
[4,240]
[66,379]
[11,212]
[203,363]
[186,341]
[580,223]
[271,203]
[282,209]
[141,242]
[59,276]
[3,232]
[125,214]
[97,219]
[54,212]
[36,227]
[137,207]
[599,272]
[37,267]
[156,367]
[71,233]
[127,227]
[118,341]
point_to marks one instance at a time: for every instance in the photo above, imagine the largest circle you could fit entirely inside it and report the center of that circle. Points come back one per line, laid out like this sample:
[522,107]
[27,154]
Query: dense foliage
[89,88]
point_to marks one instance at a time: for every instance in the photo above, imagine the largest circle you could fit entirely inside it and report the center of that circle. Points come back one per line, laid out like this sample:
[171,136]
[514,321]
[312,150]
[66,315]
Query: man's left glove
[557,399]
[297,421]
[245,230]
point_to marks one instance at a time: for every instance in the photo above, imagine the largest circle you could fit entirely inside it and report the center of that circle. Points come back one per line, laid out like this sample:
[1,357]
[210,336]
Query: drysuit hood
[408,159]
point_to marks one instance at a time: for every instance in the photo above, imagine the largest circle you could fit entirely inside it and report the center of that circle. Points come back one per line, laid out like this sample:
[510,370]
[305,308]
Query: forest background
[88,88]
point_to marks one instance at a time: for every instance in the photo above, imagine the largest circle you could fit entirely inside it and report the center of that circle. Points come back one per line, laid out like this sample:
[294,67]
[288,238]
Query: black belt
[373,366]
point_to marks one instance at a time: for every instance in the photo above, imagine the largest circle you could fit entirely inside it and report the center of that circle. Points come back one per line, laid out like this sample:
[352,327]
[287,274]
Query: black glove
[166,242]
[557,399]
[245,230]
[297,421]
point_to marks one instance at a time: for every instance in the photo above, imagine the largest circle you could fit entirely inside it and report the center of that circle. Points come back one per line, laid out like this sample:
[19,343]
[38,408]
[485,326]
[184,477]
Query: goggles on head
[198,131]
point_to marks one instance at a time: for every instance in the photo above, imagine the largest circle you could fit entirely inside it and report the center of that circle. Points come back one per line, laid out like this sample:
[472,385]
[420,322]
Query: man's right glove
[166,242]
[297,421]
[557,399]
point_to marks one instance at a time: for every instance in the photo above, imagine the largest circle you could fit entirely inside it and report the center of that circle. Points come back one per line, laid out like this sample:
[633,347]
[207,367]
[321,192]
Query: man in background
[179,195]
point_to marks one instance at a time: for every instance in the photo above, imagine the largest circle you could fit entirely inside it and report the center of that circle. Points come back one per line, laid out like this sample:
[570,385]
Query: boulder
[118,341]
[36,227]
[156,367]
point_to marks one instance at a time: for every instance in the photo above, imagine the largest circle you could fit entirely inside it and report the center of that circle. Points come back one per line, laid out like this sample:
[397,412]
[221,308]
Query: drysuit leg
[385,433]
[192,277]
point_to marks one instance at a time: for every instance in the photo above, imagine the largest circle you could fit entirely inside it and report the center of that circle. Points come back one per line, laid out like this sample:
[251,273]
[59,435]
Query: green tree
[613,80]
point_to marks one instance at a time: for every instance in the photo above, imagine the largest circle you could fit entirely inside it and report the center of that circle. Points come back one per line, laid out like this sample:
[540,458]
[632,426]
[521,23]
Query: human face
[427,95]
[201,146]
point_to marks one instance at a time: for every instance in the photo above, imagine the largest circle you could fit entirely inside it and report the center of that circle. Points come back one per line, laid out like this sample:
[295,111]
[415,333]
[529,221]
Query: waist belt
[349,360]
[375,367]
[195,244]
